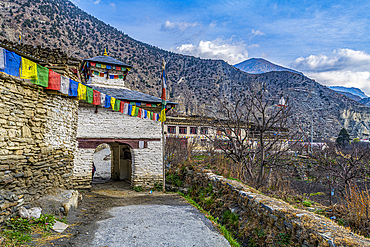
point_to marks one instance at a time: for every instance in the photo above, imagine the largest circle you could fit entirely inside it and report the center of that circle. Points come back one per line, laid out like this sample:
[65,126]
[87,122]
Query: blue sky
[326,40]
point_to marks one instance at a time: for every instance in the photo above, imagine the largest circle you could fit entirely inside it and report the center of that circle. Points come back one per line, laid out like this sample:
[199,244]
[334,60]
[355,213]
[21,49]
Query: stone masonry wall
[37,140]
[275,216]
[109,126]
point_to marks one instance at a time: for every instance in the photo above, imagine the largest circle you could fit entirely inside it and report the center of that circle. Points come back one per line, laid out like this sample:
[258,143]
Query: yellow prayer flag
[133,110]
[112,102]
[162,117]
[104,66]
[81,90]
[128,69]
[28,69]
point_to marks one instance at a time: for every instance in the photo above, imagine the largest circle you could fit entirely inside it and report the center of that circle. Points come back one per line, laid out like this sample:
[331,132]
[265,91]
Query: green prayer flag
[117,105]
[154,105]
[98,65]
[136,111]
[90,95]
[42,76]
[132,103]
[120,76]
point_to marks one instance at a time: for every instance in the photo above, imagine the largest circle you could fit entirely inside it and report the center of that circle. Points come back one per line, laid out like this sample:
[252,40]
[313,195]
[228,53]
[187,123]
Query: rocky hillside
[260,66]
[195,83]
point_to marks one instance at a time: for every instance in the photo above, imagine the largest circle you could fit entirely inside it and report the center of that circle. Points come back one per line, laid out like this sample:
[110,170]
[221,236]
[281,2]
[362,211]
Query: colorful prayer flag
[103,66]
[28,69]
[109,67]
[2,59]
[116,77]
[102,99]
[120,76]
[98,65]
[64,85]
[96,97]
[126,108]
[121,106]
[138,103]
[81,91]
[73,88]
[111,76]
[118,68]
[12,63]
[93,64]
[148,104]
[89,95]
[139,113]
[101,74]
[42,78]
[133,110]
[96,73]
[163,96]
[107,101]
[117,105]
[112,102]
[54,80]
[129,110]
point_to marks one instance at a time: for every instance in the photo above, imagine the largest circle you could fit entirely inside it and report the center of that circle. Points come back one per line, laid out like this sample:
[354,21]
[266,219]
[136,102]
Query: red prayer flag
[122,105]
[93,64]
[118,68]
[116,77]
[54,80]
[96,98]
[139,115]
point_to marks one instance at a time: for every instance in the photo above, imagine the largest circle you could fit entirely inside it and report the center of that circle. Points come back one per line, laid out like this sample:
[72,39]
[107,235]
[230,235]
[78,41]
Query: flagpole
[163,118]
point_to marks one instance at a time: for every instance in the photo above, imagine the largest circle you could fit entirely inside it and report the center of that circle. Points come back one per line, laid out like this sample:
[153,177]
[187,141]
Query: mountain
[260,66]
[355,91]
[365,101]
[351,96]
[196,84]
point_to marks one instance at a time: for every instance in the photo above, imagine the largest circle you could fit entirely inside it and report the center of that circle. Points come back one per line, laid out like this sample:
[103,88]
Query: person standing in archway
[93,171]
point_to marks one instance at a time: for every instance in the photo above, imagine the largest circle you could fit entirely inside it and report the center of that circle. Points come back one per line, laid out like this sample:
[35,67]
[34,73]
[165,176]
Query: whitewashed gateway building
[136,143]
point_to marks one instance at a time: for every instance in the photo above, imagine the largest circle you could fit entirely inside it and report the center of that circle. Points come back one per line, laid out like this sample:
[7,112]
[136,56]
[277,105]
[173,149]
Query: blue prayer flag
[73,88]
[111,76]
[138,103]
[129,109]
[107,101]
[109,67]
[12,63]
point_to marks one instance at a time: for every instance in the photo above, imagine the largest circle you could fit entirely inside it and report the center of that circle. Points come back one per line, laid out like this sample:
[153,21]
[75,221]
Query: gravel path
[157,225]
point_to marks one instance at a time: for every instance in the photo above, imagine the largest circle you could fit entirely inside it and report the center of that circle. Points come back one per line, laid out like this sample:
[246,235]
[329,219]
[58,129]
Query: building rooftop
[107,60]
[130,95]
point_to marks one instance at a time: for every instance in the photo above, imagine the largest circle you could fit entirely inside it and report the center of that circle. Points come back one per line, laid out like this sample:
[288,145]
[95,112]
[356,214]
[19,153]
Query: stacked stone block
[37,142]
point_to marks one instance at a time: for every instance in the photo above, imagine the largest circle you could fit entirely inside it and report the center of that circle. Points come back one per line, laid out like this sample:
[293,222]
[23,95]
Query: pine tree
[343,138]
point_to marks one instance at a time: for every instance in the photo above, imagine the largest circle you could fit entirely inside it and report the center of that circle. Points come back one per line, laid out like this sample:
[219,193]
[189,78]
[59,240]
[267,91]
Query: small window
[182,130]
[204,130]
[193,130]
[171,129]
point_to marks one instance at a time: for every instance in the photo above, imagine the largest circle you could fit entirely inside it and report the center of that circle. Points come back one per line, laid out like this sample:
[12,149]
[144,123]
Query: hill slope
[194,83]
[260,66]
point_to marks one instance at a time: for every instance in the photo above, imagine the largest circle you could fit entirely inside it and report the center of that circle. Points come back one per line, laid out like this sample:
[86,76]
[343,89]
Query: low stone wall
[37,142]
[275,216]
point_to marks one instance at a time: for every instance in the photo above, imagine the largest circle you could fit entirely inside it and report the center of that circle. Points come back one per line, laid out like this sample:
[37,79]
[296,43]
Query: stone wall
[275,217]
[97,125]
[37,142]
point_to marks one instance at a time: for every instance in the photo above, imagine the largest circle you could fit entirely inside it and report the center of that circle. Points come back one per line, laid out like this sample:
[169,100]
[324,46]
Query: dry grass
[357,203]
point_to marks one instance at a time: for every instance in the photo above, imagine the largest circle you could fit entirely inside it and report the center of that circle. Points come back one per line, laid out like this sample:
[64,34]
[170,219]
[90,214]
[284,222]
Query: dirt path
[112,215]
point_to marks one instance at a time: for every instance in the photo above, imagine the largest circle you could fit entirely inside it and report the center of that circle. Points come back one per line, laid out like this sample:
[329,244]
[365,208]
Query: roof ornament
[105,52]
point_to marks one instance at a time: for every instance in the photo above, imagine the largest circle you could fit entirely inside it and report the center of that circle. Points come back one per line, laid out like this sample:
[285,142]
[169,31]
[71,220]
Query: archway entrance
[122,162]
[102,160]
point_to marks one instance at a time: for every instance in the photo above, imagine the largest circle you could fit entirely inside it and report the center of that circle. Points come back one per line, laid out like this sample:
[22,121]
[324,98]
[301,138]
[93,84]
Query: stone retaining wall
[277,217]
[37,141]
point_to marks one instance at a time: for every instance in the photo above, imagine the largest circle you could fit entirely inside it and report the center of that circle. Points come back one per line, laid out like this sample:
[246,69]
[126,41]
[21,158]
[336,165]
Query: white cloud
[342,59]
[216,49]
[257,32]
[97,1]
[177,26]
[113,5]
[344,67]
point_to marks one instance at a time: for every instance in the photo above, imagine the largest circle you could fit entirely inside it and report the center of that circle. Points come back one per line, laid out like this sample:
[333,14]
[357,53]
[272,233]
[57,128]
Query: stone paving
[113,215]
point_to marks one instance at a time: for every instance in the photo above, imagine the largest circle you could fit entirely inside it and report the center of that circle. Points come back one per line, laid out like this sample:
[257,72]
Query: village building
[136,143]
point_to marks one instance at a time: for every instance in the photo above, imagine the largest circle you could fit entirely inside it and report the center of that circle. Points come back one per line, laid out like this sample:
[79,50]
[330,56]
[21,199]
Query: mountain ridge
[260,66]
[353,90]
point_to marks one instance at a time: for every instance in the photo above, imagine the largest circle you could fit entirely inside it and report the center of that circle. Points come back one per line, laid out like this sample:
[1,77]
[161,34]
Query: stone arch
[102,159]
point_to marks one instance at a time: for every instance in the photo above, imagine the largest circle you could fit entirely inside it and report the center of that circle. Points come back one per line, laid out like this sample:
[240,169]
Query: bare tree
[252,130]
